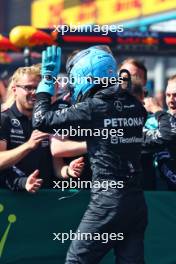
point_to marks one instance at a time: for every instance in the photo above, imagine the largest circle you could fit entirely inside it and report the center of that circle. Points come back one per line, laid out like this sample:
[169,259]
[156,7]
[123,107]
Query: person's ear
[14,89]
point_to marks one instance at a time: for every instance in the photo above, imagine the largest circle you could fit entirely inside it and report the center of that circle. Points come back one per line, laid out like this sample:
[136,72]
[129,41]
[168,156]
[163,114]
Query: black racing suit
[86,174]
[163,141]
[117,158]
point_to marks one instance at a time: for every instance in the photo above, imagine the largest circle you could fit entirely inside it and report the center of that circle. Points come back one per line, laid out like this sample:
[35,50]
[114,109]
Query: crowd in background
[31,159]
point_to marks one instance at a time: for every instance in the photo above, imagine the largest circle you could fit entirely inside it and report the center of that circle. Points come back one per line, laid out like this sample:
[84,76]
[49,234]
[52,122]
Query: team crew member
[138,73]
[117,158]
[164,138]
[24,153]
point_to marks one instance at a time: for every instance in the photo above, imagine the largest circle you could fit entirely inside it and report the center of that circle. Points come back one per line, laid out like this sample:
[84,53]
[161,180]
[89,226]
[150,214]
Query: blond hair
[18,74]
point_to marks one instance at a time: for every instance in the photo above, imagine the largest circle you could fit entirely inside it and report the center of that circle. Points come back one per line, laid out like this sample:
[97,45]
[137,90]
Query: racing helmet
[86,66]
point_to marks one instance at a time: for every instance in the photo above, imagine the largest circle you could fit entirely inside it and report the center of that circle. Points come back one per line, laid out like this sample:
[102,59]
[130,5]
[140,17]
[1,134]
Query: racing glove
[51,63]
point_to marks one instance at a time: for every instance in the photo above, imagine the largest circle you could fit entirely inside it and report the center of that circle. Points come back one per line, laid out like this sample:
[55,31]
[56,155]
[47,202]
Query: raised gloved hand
[51,63]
